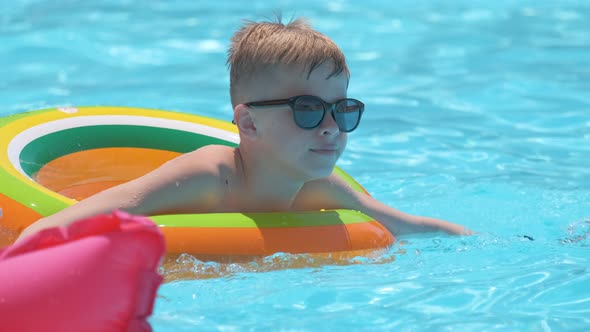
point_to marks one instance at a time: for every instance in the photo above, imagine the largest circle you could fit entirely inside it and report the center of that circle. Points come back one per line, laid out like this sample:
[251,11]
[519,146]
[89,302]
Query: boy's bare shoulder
[219,161]
[212,158]
[191,183]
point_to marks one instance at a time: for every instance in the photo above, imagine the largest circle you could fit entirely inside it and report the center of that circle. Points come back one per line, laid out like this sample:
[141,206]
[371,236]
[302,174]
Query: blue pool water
[477,112]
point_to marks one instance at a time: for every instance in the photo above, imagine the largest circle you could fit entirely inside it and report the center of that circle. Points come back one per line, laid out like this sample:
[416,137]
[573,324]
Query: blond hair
[258,46]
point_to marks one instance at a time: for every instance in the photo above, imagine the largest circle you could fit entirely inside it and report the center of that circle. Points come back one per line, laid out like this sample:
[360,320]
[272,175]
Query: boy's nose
[329,125]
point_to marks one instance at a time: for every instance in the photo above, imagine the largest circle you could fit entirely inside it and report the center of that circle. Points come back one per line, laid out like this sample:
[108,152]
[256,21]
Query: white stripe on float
[20,141]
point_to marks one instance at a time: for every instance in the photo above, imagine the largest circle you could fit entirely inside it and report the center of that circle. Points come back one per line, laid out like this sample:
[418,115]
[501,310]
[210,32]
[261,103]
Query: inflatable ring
[50,159]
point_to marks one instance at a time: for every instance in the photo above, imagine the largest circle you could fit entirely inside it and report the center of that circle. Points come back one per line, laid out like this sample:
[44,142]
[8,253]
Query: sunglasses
[309,111]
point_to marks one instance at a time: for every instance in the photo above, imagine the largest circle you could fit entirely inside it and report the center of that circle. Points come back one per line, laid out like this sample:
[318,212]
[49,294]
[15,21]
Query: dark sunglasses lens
[348,115]
[308,112]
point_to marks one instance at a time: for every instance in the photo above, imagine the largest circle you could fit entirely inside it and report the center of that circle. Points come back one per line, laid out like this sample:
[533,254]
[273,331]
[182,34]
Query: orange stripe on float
[82,174]
[15,215]
[266,241]
[369,235]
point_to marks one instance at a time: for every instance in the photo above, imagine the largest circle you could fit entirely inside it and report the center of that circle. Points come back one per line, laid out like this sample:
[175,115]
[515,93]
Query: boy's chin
[319,173]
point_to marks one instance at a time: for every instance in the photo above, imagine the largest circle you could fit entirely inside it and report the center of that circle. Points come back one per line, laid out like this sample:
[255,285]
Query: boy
[288,86]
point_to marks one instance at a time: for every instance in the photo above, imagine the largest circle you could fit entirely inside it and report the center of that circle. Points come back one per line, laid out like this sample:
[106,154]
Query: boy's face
[303,153]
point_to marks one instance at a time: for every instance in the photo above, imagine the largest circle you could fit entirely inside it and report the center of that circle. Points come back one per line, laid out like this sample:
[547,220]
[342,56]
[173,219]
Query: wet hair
[258,47]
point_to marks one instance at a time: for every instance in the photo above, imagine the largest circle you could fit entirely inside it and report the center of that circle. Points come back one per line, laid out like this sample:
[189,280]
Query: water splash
[579,234]
[186,266]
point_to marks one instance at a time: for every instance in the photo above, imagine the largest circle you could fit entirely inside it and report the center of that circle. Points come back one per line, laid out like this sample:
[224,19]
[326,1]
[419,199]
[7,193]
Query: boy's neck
[268,188]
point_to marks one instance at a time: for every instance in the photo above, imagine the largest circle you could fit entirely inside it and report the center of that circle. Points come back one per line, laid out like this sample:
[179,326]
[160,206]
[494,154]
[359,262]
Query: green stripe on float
[350,180]
[49,147]
[262,220]
[29,196]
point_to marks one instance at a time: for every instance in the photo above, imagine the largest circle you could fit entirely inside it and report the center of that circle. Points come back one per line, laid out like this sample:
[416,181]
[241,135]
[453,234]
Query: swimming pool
[478,113]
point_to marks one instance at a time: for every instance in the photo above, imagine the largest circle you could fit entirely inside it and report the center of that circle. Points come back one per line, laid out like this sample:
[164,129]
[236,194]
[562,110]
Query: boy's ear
[244,119]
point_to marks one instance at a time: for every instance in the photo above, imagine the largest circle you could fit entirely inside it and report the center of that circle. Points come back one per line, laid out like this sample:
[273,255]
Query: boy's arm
[334,193]
[399,223]
[182,184]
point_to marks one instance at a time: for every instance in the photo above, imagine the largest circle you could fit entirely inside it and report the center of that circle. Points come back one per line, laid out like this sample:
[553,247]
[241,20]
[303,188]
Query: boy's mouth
[327,150]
